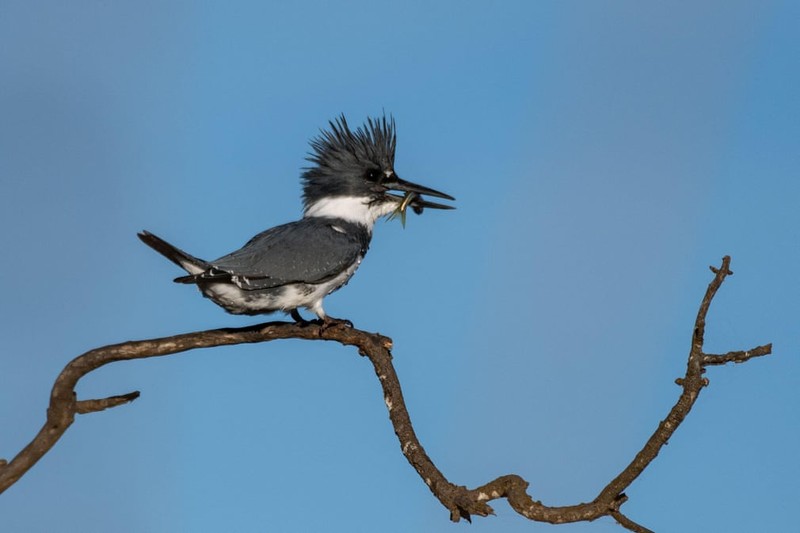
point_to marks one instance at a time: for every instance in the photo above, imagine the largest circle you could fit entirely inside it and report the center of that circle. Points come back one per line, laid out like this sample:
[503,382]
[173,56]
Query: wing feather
[311,250]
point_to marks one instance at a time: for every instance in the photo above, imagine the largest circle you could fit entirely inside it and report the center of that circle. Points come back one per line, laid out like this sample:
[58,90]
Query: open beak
[413,194]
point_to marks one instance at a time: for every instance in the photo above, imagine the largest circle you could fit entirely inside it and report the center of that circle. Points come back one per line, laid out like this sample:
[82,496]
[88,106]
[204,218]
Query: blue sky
[602,156]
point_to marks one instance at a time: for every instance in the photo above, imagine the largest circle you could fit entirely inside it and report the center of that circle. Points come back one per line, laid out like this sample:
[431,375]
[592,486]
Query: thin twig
[736,357]
[629,524]
[92,406]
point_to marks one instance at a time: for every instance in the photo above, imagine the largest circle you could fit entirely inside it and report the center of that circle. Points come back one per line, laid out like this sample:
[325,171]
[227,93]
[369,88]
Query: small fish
[416,202]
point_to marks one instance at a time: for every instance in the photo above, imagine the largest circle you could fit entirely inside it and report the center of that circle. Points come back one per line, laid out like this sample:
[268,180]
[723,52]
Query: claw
[330,322]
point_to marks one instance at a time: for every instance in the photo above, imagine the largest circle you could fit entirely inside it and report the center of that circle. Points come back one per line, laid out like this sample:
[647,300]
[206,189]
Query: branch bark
[459,500]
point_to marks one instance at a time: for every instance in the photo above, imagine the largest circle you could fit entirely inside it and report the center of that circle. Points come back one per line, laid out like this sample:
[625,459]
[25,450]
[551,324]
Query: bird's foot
[325,322]
[330,322]
[295,314]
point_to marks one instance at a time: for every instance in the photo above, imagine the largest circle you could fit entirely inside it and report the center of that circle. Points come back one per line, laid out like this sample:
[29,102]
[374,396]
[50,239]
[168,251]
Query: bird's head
[353,175]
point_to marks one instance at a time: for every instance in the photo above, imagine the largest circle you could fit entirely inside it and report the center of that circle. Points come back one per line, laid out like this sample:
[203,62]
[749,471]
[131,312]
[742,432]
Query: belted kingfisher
[298,264]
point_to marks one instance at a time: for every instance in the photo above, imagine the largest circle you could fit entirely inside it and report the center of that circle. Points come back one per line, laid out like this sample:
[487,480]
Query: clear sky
[602,156]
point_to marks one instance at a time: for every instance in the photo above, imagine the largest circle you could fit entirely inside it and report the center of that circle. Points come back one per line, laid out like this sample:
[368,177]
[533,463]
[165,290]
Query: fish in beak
[413,197]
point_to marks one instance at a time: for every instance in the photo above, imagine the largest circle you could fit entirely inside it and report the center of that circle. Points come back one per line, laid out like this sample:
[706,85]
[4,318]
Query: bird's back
[311,250]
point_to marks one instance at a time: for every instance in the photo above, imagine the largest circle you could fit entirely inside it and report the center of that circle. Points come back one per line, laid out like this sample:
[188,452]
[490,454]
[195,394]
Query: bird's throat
[356,209]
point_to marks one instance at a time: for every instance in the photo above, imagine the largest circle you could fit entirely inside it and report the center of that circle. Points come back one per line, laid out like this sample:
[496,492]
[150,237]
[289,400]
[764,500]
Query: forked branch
[459,500]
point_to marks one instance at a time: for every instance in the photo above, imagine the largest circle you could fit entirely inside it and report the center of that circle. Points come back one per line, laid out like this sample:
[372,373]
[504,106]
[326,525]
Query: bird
[346,189]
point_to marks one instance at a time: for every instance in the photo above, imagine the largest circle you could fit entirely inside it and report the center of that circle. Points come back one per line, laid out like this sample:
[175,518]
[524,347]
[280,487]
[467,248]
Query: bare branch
[629,524]
[459,500]
[92,406]
[736,357]
[64,405]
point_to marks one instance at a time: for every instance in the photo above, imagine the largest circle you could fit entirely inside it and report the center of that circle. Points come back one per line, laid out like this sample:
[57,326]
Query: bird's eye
[373,174]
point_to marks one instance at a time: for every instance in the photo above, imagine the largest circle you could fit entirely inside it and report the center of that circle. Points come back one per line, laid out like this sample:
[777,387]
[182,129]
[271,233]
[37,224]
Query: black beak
[417,203]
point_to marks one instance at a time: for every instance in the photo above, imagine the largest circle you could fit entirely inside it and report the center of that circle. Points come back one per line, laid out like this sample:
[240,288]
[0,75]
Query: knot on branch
[466,503]
[724,269]
[617,502]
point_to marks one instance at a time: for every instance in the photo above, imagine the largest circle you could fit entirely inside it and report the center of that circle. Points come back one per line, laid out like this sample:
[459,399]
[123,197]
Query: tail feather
[189,263]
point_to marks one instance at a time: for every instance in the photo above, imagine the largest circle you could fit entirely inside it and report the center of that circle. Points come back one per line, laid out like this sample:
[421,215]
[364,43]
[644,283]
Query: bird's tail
[189,263]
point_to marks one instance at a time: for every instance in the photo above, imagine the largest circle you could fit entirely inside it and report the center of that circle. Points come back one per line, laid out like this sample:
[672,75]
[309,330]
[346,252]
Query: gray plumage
[276,257]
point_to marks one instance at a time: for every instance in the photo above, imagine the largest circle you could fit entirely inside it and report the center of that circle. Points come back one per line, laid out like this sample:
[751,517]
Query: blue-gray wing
[311,250]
